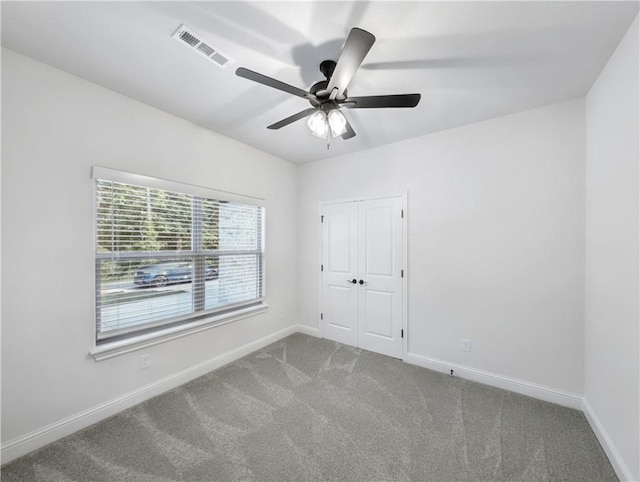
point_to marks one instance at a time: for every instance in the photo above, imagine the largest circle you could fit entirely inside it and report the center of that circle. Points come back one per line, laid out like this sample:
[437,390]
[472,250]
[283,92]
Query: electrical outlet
[144,361]
[465,345]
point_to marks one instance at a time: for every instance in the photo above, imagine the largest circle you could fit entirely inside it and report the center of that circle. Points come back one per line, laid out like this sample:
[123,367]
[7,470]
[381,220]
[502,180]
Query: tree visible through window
[165,257]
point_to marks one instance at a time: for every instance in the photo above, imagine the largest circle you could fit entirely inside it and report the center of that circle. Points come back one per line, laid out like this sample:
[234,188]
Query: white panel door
[339,270]
[362,253]
[380,268]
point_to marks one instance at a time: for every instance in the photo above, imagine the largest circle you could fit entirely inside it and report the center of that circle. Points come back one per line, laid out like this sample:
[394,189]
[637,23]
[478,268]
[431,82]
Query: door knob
[352,281]
[362,281]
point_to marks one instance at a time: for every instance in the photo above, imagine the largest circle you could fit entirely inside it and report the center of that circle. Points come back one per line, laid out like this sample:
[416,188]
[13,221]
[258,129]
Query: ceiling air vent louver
[194,41]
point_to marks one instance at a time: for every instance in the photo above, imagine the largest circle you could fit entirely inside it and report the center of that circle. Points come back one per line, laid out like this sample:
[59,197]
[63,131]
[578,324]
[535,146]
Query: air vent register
[194,41]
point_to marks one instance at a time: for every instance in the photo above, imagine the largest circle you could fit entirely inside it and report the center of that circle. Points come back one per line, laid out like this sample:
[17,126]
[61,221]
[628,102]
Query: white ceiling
[470,60]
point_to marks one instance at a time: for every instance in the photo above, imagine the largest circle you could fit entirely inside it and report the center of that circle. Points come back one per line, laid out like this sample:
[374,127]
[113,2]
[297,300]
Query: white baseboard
[57,430]
[540,392]
[308,330]
[617,462]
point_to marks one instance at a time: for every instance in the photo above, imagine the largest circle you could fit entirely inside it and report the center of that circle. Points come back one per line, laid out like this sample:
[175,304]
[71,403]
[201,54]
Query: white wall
[55,126]
[495,241]
[612,378]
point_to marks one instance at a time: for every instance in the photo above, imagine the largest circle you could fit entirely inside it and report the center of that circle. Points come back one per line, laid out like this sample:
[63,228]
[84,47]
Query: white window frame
[197,321]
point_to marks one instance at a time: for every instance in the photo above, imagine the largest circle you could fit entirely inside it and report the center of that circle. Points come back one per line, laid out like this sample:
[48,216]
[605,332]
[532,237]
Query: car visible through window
[162,274]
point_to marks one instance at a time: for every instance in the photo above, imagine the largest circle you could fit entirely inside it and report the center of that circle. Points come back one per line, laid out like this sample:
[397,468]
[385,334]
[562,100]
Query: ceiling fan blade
[270,82]
[380,101]
[350,132]
[293,118]
[355,49]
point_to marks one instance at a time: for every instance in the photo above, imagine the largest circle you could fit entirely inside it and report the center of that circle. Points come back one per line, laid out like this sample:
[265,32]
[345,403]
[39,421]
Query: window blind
[165,257]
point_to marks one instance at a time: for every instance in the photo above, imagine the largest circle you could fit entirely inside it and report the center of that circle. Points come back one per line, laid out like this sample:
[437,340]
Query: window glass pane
[210,223]
[138,292]
[239,279]
[240,227]
[212,283]
[136,218]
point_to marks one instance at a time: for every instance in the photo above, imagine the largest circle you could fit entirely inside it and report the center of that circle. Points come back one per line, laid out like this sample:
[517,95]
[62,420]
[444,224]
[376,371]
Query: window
[169,254]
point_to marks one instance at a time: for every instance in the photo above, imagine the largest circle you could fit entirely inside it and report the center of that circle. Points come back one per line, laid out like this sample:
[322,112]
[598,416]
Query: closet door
[339,272]
[362,249]
[380,269]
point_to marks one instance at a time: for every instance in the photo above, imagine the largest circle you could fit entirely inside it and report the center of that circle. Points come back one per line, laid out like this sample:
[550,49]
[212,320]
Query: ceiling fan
[328,96]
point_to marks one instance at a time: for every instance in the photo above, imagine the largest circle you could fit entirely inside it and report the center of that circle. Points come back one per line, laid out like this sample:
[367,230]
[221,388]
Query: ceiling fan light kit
[337,122]
[319,124]
[328,96]
[322,124]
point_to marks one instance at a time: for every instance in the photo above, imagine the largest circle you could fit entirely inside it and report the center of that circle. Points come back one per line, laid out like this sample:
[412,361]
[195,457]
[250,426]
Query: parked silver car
[162,274]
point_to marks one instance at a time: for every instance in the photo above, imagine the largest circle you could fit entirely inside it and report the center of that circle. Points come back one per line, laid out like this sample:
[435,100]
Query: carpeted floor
[307,409]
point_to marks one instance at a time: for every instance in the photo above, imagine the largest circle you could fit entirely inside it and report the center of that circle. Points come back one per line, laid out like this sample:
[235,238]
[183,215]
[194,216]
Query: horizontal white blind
[166,257]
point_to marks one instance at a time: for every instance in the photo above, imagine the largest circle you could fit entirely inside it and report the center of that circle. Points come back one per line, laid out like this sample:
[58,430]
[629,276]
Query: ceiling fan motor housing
[318,86]
[326,67]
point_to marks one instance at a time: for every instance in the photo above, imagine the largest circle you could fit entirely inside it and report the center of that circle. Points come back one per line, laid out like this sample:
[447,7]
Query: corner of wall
[612,257]
[617,461]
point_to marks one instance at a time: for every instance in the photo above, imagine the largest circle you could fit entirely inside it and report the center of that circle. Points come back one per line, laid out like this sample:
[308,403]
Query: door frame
[405,264]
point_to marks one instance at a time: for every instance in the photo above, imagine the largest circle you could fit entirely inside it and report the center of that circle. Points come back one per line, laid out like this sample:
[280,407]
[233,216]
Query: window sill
[116,348]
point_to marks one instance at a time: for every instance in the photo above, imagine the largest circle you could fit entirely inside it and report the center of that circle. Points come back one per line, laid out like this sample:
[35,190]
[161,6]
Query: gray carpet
[306,409]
